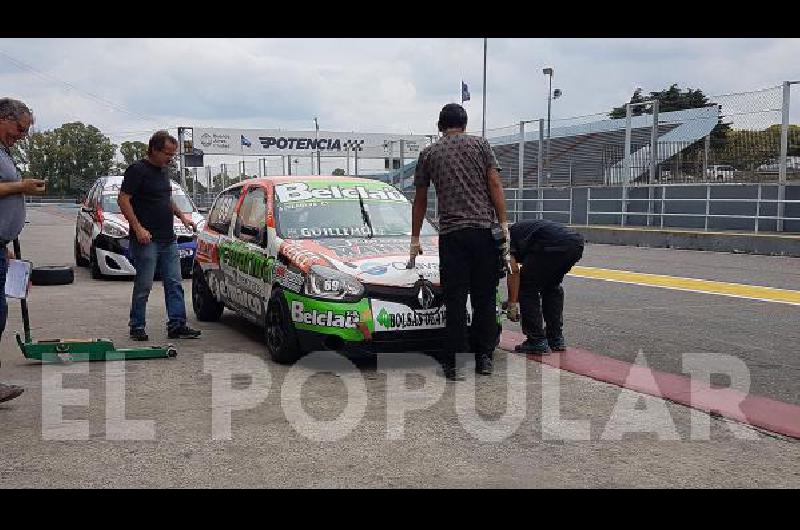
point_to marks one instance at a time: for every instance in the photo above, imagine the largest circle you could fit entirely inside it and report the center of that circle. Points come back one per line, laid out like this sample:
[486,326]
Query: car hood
[376,261]
[180,229]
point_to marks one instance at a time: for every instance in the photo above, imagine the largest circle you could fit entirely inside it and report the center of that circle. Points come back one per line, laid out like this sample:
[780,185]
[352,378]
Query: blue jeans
[3,304]
[163,254]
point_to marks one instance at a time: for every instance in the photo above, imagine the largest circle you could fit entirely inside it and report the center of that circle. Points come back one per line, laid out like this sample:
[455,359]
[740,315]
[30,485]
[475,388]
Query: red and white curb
[772,415]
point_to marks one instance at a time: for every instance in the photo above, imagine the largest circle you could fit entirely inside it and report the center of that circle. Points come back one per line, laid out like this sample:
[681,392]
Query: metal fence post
[519,193]
[588,203]
[570,204]
[784,150]
[402,161]
[654,143]
[708,205]
[653,163]
[624,204]
[539,203]
[663,200]
[707,146]
[626,164]
[758,207]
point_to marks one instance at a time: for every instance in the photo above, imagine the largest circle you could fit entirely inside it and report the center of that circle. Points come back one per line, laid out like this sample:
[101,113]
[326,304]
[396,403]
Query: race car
[101,231]
[320,263]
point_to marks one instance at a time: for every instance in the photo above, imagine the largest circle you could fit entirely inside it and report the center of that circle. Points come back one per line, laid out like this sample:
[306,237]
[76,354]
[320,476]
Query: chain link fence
[743,137]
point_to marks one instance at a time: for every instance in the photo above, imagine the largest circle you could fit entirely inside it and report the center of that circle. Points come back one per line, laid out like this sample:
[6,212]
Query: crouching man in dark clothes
[547,251]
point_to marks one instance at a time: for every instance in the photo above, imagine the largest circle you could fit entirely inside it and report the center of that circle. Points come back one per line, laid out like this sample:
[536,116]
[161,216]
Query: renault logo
[425,295]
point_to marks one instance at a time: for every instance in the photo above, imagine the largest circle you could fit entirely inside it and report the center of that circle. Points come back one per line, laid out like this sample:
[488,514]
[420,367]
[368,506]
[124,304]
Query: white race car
[101,231]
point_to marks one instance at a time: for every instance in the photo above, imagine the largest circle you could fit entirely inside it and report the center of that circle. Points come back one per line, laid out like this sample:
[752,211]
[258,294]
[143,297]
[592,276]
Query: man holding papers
[15,121]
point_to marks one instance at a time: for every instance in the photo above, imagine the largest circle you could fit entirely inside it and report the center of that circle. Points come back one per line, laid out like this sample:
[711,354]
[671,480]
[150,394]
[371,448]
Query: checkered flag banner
[353,145]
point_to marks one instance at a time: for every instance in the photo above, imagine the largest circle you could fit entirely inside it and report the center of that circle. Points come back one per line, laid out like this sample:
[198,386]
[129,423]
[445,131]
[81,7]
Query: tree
[69,157]
[670,99]
[173,172]
[338,172]
[133,151]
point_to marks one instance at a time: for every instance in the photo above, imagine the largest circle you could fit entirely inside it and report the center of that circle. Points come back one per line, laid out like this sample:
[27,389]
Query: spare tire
[52,275]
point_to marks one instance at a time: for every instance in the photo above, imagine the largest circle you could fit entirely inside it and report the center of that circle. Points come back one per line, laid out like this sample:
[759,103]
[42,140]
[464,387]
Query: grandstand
[593,153]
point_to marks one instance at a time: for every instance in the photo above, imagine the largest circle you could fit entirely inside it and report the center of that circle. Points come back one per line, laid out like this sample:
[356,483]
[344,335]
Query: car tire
[80,261]
[206,307]
[52,275]
[279,334]
[97,274]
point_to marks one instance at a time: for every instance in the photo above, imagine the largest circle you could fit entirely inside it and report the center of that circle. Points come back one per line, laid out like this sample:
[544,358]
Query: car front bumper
[114,257]
[370,325]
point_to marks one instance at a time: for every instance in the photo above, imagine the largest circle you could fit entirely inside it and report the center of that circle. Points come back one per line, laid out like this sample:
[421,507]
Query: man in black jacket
[547,251]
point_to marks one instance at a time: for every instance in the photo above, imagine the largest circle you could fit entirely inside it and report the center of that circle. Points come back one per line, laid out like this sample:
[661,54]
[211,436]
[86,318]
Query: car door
[216,239]
[80,220]
[86,220]
[248,258]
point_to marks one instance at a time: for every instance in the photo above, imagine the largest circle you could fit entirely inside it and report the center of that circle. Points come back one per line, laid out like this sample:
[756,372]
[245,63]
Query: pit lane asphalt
[436,450]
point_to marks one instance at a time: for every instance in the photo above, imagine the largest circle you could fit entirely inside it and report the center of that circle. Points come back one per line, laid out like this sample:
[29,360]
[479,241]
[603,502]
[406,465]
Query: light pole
[316,137]
[483,123]
[549,72]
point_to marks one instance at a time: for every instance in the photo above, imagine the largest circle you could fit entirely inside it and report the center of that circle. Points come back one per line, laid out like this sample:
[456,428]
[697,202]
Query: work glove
[512,313]
[414,250]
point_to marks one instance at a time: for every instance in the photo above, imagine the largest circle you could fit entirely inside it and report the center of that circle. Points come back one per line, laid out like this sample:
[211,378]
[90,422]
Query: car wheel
[206,307]
[279,334]
[97,274]
[80,261]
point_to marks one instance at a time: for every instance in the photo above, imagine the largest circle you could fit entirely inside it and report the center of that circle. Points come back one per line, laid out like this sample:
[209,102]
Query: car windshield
[183,202]
[109,203]
[342,218]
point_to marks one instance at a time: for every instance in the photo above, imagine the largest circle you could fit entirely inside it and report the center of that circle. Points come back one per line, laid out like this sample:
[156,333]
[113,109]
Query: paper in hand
[17,277]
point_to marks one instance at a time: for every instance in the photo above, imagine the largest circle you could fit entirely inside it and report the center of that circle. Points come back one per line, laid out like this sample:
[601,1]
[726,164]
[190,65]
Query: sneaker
[557,344]
[483,364]
[138,334]
[451,373]
[183,332]
[536,346]
[9,392]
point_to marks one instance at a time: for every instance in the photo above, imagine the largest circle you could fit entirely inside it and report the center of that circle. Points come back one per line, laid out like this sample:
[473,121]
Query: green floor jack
[75,350]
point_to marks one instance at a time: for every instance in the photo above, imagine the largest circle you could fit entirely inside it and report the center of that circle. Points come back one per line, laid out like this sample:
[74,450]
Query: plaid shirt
[458,166]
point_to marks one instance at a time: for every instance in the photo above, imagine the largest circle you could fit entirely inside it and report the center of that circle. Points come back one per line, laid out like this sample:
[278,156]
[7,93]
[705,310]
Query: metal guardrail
[521,207]
[664,201]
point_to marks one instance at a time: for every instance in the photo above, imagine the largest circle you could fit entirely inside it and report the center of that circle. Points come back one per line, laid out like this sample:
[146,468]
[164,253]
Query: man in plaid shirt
[465,174]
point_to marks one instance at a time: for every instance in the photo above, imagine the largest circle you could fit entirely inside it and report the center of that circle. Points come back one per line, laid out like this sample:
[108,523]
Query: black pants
[468,261]
[541,294]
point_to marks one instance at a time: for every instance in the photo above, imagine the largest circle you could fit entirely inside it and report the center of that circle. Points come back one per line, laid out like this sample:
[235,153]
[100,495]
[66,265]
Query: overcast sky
[130,87]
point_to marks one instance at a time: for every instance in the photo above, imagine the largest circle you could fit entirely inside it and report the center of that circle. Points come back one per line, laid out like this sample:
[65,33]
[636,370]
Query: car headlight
[114,230]
[324,282]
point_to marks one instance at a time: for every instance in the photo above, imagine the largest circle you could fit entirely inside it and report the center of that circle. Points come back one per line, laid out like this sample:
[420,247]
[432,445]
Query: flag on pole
[464,92]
